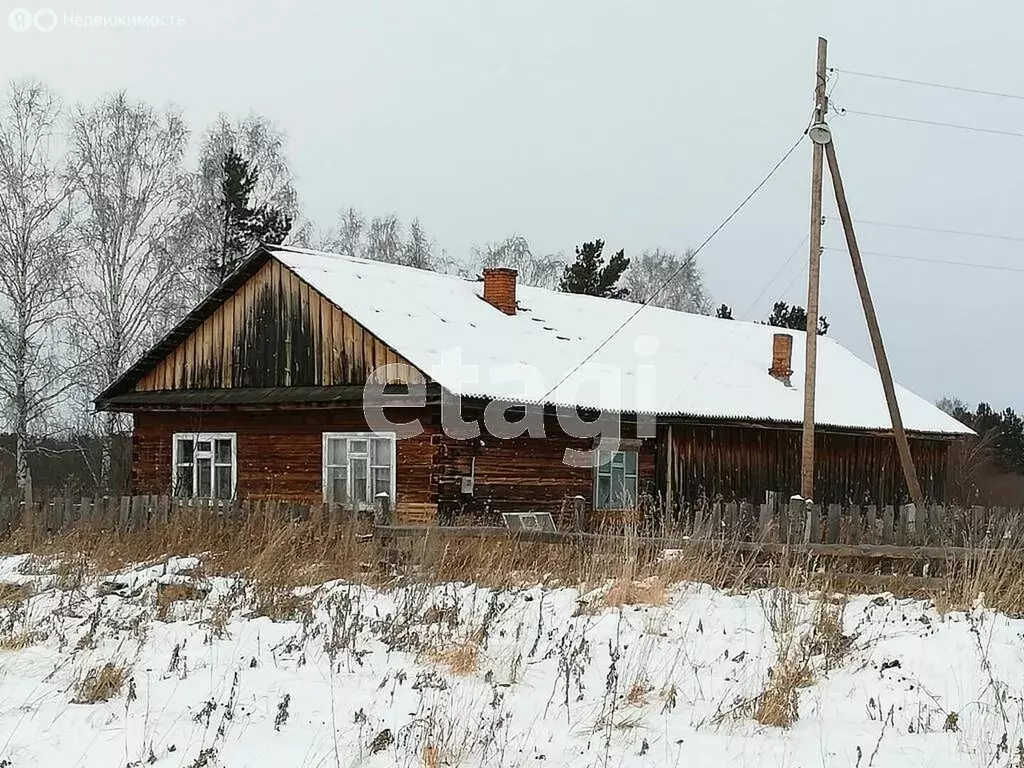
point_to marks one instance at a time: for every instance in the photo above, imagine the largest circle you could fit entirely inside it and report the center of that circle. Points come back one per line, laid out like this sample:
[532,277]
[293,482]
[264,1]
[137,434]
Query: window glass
[185,448]
[381,481]
[359,491]
[630,462]
[336,486]
[357,446]
[615,482]
[604,491]
[337,451]
[203,478]
[222,482]
[222,455]
[183,481]
[382,452]
[203,446]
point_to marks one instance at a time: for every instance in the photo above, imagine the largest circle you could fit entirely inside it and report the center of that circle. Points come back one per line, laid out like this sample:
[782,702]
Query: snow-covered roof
[661,361]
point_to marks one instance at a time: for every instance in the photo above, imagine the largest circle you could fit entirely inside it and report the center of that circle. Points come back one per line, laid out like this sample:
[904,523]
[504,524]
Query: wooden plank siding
[277,331]
[743,463]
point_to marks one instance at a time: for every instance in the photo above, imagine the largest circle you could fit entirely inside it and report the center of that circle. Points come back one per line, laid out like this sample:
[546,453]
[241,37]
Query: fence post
[579,521]
[383,511]
[887,524]
[854,529]
[832,527]
[764,522]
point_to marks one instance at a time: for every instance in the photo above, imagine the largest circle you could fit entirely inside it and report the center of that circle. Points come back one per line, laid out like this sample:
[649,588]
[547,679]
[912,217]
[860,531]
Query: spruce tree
[590,275]
[242,226]
[795,317]
[724,312]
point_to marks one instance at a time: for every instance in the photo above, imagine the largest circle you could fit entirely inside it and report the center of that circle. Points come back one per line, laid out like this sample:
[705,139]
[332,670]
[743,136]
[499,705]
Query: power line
[944,262]
[682,266]
[919,121]
[776,276]
[939,230]
[945,86]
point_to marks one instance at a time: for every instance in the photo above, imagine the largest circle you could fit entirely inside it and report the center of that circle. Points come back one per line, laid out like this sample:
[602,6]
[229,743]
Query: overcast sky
[643,123]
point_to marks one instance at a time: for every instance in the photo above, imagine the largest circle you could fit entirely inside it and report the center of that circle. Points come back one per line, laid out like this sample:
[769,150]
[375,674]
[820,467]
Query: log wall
[279,454]
[525,473]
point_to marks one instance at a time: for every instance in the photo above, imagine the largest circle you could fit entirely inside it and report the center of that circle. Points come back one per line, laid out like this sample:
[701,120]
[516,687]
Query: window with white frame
[205,465]
[358,466]
[615,479]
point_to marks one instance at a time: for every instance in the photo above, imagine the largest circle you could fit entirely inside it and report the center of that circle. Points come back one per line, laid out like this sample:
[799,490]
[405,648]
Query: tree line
[116,218]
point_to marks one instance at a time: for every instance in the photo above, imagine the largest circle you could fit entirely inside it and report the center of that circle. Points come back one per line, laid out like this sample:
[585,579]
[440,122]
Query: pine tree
[242,226]
[795,317]
[590,275]
[1005,430]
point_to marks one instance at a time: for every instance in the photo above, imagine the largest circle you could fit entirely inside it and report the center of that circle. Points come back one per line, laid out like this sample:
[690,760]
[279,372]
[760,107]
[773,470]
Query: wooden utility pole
[907,461]
[813,280]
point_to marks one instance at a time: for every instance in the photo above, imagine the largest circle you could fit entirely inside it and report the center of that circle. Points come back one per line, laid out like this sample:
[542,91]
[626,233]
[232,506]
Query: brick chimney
[500,288]
[782,357]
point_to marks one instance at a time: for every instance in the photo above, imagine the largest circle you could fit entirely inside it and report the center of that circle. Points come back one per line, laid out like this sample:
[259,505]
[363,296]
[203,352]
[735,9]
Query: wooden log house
[267,388]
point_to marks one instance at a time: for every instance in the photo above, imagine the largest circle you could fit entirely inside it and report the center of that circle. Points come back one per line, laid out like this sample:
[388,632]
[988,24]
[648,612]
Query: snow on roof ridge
[582,297]
[368,262]
[705,366]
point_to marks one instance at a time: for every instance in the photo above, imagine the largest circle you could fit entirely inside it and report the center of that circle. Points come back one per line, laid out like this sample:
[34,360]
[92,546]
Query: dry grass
[777,705]
[20,639]
[460,659]
[268,547]
[14,593]
[651,591]
[167,595]
[100,684]
[282,604]
[276,551]
[637,694]
[827,639]
[430,756]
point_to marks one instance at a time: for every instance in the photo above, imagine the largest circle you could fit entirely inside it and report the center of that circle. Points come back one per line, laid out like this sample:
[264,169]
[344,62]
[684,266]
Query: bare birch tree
[541,270]
[132,189]
[665,279]
[382,238]
[35,266]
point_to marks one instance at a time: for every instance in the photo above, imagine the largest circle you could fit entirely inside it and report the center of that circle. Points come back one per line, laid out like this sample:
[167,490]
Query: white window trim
[195,437]
[635,476]
[392,436]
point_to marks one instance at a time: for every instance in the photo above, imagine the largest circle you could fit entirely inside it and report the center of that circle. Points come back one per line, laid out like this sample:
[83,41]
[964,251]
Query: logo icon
[20,20]
[45,19]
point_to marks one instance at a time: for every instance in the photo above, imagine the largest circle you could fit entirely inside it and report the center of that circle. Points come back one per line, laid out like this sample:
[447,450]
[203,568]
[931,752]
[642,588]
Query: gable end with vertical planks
[275,330]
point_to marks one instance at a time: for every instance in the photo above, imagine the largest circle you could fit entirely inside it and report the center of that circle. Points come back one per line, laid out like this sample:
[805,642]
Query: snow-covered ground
[347,675]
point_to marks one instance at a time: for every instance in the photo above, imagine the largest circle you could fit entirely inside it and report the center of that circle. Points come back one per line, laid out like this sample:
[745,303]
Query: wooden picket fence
[936,532]
[800,523]
[865,534]
[126,514]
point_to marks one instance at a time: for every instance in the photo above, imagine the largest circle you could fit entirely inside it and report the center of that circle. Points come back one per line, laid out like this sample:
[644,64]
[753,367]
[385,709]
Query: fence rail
[123,514]
[906,526]
[889,532]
